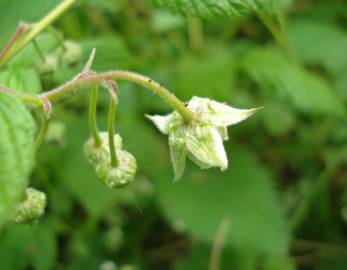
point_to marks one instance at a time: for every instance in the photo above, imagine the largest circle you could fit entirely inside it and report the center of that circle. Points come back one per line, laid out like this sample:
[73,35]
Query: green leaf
[17,130]
[306,39]
[243,194]
[217,8]
[275,73]
[35,247]
[18,10]
[199,257]
[210,75]
[21,79]
[111,53]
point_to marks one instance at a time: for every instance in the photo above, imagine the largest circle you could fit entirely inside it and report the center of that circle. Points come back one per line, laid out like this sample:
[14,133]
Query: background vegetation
[281,205]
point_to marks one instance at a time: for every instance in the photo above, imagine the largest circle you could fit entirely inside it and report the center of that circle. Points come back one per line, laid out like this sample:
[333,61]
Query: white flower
[202,139]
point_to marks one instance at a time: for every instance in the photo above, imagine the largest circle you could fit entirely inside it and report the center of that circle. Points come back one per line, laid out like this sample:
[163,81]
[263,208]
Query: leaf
[217,8]
[163,22]
[199,257]
[17,130]
[18,10]
[306,39]
[35,247]
[21,79]
[210,75]
[243,194]
[111,53]
[275,73]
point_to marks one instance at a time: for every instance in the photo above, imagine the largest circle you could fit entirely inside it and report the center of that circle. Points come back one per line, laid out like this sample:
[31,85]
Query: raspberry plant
[83,165]
[196,129]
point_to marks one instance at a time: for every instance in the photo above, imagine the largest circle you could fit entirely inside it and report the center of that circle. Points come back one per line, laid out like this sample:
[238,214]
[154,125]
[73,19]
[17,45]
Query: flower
[32,208]
[202,138]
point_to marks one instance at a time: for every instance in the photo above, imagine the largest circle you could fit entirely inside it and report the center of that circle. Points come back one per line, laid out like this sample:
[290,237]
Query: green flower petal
[205,147]
[161,122]
[218,114]
[178,152]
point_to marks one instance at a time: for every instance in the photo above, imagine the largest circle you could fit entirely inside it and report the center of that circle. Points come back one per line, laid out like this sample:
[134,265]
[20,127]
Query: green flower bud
[121,175]
[50,64]
[95,154]
[32,208]
[202,139]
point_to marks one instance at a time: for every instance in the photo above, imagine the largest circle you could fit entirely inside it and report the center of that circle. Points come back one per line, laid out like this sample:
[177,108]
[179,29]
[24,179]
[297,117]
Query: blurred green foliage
[284,193]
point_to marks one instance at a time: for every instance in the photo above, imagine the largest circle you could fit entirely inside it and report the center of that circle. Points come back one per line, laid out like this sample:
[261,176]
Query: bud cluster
[113,176]
[68,53]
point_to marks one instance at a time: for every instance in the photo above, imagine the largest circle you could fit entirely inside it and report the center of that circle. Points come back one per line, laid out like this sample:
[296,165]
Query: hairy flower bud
[120,175]
[50,64]
[70,54]
[32,208]
[95,154]
[202,139]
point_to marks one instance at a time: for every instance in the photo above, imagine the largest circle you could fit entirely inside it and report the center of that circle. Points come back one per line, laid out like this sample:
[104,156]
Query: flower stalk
[111,119]
[85,79]
[34,31]
[92,115]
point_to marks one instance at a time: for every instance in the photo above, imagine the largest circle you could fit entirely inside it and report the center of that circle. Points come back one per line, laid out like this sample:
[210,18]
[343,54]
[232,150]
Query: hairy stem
[218,243]
[20,29]
[35,30]
[92,115]
[42,133]
[111,116]
[39,51]
[86,79]
[82,81]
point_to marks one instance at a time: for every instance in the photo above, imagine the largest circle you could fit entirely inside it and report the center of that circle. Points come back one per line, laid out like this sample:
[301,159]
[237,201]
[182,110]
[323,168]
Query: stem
[42,133]
[218,244]
[58,37]
[30,99]
[92,115]
[35,30]
[88,79]
[196,34]
[111,116]
[20,29]
[39,51]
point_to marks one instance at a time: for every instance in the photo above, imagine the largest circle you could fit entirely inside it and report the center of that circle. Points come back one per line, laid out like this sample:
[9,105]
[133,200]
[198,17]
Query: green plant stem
[92,115]
[31,99]
[58,37]
[35,30]
[42,133]
[110,124]
[86,79]
[39,51]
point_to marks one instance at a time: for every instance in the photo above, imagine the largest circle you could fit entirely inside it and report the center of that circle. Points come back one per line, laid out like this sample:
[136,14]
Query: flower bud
[32,208]
[120,175]
[95,154]
[71,53]
[50,64]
